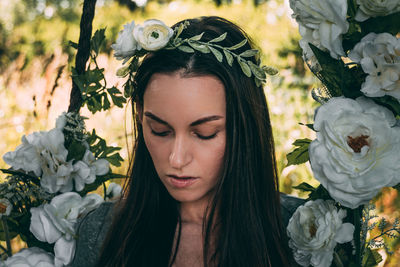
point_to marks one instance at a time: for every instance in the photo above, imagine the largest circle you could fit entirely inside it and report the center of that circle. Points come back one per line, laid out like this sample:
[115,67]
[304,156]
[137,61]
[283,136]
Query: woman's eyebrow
[206,119]
[157,119]
[197,122]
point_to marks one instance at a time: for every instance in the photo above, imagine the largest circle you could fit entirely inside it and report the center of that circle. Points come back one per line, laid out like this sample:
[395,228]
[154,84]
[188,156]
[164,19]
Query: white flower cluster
[55,222]
[30,257]
[321,23]
[314,230]
[44,154]
[151,36]
[356,151]
[376,8]
[379,57]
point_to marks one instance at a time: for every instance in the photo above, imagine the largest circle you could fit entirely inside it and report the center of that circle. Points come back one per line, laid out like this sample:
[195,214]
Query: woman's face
[184,130]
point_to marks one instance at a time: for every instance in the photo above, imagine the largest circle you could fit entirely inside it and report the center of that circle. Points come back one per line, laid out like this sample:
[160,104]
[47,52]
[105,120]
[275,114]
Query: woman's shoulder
[92,230]
[289,204]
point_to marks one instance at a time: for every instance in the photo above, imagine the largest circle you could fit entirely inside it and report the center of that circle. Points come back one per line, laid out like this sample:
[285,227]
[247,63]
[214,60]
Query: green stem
[337,260]
[7,235]
[357,232]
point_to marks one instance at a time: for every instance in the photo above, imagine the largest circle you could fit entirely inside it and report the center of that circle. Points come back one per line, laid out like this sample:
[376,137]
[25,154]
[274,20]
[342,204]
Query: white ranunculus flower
[31,257]
[379,56]
[126,44]
[26,156]
[55,222]
[86,170]
[322,23]
[314,230]
[355,153]
[153,34]
[113,191]
[376,8]
[5,207]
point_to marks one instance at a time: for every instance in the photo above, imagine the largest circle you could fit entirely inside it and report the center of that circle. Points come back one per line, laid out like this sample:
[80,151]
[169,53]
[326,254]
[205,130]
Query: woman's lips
[181,181]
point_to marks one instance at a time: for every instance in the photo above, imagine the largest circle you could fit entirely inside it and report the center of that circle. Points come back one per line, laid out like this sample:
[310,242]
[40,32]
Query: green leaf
[196,37]
[388,102]
[319,193]
[305,187]
[332,73]
[73,44]
[309,125]
[256,70]
[218,55]
[97,40]
[270,70]
[106,102]
[229,57]
[249,53]
[186,49]
[300,154]
[115,159]
[371,258]
[219,38]
[200,47]
[236,46]
[123,71]
[389,24]
[76,150]
[119,101]
[245,68]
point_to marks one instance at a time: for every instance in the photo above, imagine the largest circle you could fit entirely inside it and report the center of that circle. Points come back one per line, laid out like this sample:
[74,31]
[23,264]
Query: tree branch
[82,55]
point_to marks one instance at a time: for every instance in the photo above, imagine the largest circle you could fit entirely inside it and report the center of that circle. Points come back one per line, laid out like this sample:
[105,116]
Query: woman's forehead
[171,95]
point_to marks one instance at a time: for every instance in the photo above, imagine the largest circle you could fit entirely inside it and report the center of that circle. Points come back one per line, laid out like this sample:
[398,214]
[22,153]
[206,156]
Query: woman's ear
[139,113]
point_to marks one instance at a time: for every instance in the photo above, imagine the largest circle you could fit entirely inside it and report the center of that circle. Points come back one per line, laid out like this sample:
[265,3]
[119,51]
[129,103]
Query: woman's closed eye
[167,132]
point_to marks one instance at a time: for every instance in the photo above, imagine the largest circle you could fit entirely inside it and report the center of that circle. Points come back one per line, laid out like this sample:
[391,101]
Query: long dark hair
[245,206]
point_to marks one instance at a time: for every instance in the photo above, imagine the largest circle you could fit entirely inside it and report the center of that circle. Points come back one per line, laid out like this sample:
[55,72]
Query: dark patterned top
[92,229]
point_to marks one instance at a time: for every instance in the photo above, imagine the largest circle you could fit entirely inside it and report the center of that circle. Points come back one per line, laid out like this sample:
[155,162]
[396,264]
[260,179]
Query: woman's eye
[206,137]
[164,133]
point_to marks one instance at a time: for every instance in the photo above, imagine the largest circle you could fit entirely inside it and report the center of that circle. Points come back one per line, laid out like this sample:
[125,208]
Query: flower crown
[136,41]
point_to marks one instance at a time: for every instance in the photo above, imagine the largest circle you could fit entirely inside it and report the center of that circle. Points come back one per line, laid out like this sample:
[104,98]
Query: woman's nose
[180,155]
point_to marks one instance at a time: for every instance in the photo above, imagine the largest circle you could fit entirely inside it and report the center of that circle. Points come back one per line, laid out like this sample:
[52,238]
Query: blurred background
[36,61]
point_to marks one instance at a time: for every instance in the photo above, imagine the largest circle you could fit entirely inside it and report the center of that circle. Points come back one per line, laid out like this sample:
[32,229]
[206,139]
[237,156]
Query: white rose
[56,170]
[325,20]
[5,207]
[314,230]
[26,156]
[31,257]
[55,222]
[126,44]
[86,170]
[375,8]
[379,56]
[153,35]
[113,191]
[355,153]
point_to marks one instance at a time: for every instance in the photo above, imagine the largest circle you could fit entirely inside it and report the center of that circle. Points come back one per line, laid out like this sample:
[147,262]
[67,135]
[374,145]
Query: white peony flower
[314,230]
[55,222]
[376,8]
[153,35]
[5,207]
[355,153]
[322,23]
[126,44]
[26,156]
[86,170]
[113,191]
[379,56]
[31,257]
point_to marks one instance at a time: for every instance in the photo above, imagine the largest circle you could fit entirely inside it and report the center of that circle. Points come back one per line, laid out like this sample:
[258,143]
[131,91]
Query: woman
[203,187]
